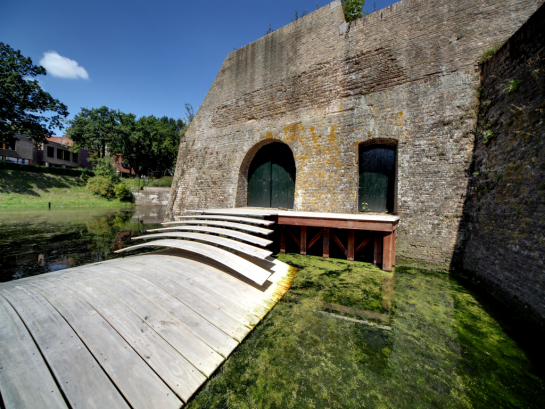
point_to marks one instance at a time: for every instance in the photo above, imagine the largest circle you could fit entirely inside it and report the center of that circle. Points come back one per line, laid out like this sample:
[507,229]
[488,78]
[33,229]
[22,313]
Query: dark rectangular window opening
[74,157]
[50,152]
[62,154]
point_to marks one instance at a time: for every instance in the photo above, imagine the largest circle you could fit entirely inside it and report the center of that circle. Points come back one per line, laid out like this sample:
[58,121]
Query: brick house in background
[21,149]
[56,153]
[121,169]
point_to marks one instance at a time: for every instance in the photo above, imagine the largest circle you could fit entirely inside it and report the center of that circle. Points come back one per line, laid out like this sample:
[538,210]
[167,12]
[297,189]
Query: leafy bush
[105,167]
[101,185]
[353,9]
[122,191]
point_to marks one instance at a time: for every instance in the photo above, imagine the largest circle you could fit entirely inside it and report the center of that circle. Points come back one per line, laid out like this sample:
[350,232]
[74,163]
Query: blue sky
[145,57]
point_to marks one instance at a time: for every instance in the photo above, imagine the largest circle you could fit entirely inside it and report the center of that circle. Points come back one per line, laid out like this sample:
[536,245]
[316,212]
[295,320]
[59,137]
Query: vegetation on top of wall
[353,9]
[490,52]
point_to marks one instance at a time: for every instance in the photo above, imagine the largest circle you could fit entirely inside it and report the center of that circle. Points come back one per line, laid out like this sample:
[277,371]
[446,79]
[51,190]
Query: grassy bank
[433,344]
[36,190]
[165,181]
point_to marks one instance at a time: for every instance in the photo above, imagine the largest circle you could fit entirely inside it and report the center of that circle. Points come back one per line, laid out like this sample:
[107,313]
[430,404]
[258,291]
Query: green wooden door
[271,177]
[377,178]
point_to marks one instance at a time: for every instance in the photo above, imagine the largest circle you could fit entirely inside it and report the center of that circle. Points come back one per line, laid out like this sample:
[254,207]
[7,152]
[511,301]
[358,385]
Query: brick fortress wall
[404,75]
[505,240]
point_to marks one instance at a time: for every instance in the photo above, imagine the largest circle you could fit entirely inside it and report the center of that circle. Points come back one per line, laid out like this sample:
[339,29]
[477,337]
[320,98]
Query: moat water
[36,242]
[346,335]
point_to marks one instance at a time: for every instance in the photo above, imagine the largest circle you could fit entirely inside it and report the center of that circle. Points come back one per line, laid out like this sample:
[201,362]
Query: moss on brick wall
[505,239]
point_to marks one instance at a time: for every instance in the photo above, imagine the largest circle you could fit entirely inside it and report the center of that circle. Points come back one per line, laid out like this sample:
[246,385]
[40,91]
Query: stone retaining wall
[505,240]
[405,75]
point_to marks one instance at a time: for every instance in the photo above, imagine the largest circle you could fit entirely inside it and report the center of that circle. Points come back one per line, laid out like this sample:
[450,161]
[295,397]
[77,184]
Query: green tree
[23,102]
[95,129]
[148,145]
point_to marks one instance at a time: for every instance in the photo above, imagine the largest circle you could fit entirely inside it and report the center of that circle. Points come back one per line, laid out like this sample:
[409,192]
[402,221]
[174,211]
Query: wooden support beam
[282,239]
[362,245]
[304,240]
[387,251]
[315,239]
[394,248]
[377,248]
[350,245]
[339,243]
[326,243]
[294,237]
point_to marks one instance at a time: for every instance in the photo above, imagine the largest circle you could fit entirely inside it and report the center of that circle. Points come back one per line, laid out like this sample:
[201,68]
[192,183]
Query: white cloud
[63,67]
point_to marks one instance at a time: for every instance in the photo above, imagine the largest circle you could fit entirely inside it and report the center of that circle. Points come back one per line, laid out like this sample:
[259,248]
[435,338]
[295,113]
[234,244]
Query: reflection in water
[36,242]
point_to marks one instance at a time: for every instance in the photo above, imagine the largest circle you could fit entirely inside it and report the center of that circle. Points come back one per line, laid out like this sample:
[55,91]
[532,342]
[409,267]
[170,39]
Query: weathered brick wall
[405,75]
[505,241]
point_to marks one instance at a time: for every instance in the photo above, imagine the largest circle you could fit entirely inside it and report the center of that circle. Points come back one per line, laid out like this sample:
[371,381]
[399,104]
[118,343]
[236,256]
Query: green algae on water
[444,349]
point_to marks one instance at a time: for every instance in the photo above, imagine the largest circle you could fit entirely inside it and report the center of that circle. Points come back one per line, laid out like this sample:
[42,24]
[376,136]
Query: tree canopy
[95,129]
[149,145]
[23,102]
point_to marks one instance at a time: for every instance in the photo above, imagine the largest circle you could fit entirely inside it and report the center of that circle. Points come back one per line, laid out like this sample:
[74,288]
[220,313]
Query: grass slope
[29,189]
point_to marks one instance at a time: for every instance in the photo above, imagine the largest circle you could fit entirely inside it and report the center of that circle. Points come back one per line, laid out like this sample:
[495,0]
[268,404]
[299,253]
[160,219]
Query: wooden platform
[381,228]
[141,332]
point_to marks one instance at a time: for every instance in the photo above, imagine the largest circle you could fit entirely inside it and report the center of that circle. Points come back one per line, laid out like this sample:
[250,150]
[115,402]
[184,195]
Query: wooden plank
[213,290]
[362,245]
[335,223]
[267,295]
[244,267]
[224,232]
[209,311]
[315,239]
[294,237]
[326,243]
[377,248]
[230,225]
[240,211]
[228,218]
[140,386]
[190,346]
[25,380]
[338,243]
[233,244]
[239,313]
[182,377]
[205,330]
[210,272]
[387,251]
[350,245]
[283,239]
[276,212]
[78,374]
[304,240]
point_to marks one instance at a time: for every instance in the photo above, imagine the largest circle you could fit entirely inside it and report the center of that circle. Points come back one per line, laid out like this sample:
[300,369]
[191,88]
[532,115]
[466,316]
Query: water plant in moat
[445,347]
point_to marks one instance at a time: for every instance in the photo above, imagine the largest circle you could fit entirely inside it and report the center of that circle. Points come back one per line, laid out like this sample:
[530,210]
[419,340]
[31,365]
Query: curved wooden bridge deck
[143,331]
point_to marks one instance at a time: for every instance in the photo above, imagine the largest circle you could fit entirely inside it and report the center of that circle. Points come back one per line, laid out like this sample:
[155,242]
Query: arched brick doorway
[377,177]
[271,177]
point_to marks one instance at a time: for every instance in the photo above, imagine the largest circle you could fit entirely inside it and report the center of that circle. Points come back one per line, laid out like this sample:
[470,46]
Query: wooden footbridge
[138,332]
[147,331]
